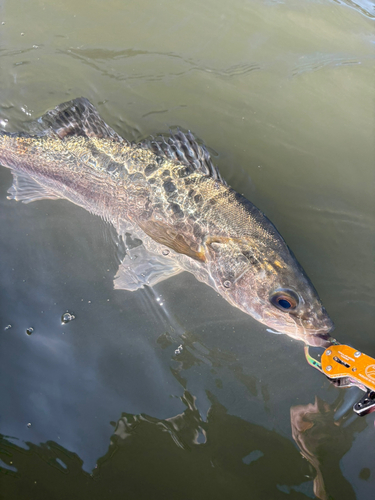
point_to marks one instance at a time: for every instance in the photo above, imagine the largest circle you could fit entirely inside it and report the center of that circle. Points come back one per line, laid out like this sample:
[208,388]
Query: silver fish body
[168,194]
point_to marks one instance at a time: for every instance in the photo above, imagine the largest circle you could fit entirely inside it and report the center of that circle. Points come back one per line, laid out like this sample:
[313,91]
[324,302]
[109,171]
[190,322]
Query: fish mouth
[315,332]
[316,336]
[319,339]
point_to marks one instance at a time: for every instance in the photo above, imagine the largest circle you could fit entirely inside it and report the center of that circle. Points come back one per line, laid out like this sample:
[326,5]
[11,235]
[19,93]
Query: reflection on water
[316,427]
[202,401]
[187,456]
[179,457]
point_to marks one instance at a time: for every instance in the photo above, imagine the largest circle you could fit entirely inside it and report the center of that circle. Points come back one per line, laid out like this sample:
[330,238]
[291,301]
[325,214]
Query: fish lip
[319,340]
[321,336]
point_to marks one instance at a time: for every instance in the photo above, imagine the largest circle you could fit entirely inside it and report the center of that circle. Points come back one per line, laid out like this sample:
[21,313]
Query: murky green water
[172,393]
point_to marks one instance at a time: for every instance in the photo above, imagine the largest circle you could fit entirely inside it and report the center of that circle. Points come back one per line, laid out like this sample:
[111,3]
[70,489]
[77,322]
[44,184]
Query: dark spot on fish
[113,166]
[159,160]
[223,194]
[158,208]
[212,201]
[169,186]
[191,193]
[176,209]
[247,254]
[166,173]
[95,152]
[136,178]
[123,173]
[198,199]
[189,180]
[185,172]
[250,257]
[150,169]
[242,258]
[151,181]
[197,231]
[203,179]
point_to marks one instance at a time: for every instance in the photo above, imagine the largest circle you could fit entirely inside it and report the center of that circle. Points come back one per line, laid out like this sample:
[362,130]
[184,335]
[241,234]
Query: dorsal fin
[185,149]
[76,117]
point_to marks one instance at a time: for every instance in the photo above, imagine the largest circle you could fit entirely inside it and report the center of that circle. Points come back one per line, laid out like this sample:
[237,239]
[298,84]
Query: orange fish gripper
[345,367]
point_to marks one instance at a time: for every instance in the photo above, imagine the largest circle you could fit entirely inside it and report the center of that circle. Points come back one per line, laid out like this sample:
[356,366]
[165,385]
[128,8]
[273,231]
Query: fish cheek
[218,261]
[226,264]
[241,281]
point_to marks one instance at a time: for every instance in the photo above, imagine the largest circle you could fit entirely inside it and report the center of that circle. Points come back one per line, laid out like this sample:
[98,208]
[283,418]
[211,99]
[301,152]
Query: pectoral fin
[168,236]
[141,267]
[26,189]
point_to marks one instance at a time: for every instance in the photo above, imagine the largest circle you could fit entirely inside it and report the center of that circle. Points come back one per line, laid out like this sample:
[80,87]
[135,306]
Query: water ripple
[95,58]
[317,61]
[365,7]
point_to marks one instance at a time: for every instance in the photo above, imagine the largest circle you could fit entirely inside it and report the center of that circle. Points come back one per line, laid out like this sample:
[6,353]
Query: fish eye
[285,300]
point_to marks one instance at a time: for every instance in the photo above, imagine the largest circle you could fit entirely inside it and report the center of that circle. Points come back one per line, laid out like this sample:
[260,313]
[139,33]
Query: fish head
[264,279]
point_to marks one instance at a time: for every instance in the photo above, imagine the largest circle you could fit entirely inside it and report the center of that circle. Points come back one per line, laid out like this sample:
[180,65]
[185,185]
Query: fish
[167,193]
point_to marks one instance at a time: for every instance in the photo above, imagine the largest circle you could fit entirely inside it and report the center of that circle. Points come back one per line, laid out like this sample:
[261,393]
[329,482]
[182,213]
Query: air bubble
[227,284]
[165,252]
[66,317]
[29,330]
[179,349]
[8,327]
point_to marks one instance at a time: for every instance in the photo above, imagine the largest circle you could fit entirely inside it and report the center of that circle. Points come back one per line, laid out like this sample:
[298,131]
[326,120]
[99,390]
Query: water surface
[171,392]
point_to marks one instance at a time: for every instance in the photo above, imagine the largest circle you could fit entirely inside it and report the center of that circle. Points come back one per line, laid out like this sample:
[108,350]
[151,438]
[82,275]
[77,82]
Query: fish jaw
[318,335]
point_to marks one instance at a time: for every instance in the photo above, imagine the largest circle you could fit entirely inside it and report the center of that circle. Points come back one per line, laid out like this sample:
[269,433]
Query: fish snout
[318,328]
[316,320]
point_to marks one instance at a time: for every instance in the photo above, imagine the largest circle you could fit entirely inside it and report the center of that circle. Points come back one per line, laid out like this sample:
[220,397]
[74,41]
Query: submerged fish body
[168,194]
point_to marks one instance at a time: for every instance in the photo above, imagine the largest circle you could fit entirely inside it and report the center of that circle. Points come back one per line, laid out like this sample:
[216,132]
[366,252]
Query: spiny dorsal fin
[184,148]
[76,117]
